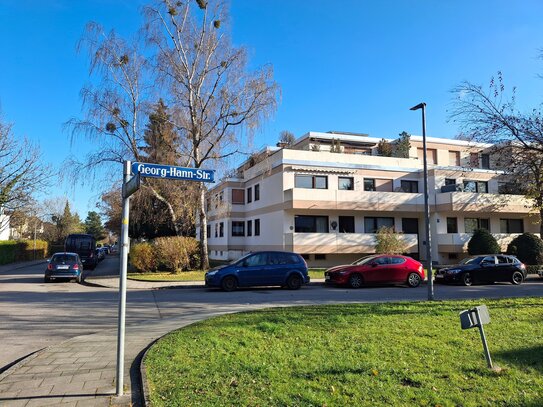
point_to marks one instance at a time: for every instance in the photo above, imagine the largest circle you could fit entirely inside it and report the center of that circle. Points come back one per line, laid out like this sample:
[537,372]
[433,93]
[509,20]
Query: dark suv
[284,269]
[484,269]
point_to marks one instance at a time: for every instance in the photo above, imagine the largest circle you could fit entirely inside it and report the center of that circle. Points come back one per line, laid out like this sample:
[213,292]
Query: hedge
[12,251]
[175,254]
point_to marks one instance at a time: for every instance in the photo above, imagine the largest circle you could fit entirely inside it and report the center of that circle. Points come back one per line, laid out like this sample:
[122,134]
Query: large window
[480,187]
[450,181]
[257,192]
[249,195]
[454,158]
[410,186]
[257,227]
[310,224]
[511,226]
[221,229]
[346,183]
[238,196]
[452,225]
[369,184]
[485,161]
[311,181]
[372,225]
[249,228]
[346,224]
[238,228]
[472,224]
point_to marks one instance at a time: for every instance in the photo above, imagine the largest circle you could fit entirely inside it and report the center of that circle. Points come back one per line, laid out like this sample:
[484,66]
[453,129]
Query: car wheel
[413,280]
[46,279]
[294,282]
[79,278]
[466,279]
[356,281]
[517,278]
[229,283]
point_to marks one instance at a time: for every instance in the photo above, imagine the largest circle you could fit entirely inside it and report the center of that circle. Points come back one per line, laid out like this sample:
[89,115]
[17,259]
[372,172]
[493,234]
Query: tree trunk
[204,259]
[170,209]
[541,222]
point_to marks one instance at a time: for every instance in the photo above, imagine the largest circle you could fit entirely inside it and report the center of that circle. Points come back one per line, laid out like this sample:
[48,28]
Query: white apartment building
[328,205]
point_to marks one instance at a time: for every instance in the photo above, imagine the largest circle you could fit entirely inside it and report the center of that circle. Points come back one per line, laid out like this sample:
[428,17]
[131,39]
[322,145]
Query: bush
[22,250]
[389,242]
[528,248]
[177,253]
[143,257]
[482,242]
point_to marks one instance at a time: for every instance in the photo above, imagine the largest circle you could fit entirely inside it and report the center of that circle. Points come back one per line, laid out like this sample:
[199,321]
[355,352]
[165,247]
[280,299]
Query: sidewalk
[4,268]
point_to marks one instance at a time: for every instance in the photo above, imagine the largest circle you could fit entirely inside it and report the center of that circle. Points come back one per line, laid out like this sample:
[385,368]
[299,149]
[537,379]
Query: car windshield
[472,260]
[63,258]
[241,259]
[363,260]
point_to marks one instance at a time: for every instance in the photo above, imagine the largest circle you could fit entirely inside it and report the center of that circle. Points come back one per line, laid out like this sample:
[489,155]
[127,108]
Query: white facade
[5,230]
[327,205]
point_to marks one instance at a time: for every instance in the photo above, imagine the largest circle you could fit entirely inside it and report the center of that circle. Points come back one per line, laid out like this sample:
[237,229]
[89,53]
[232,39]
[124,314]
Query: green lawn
[195,276]
[400,354]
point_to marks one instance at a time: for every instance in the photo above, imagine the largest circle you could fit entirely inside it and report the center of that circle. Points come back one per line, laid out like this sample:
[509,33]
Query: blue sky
[348,65]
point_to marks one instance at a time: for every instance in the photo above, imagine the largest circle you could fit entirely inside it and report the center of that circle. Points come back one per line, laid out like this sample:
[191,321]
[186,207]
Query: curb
[10,367]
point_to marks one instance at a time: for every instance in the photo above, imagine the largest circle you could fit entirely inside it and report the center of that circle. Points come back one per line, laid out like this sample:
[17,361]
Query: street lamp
[426,205]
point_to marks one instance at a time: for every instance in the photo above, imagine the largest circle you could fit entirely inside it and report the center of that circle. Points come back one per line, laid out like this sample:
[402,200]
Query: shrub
[528,248]
[389,242]
[384,148]
[22,250]
[177,253]
[482,242]
[143,257]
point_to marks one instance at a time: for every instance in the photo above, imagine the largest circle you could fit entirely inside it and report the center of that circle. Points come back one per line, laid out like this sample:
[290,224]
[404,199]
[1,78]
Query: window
[452,225]
[485,161]
[283,258]
[346,224]
[371,224]
[221,229]
[410,186]
[249,195]
[369,184]
[509,188]
[216,230]
[221,197]
[396,260]
[450,181]
[472,224]
[310,224]
[511,226]
[474,160]
[453,256]
[346,183]
[305,256]
[320,256]
[480,187]
[257,227]
[257,192]
[258,259]
[238,228]
[454,158]
[311,181]
[238,196]
[431,155]
[208,231]
[249,228]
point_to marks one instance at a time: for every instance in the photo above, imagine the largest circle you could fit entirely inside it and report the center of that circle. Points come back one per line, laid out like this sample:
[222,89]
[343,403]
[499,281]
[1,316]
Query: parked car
[84,245]
[100,254]
[484,269]
[377,269]
[64,266]
[260,269]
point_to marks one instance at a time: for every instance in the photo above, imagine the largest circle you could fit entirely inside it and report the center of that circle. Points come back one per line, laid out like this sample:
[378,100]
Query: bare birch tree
[216,99]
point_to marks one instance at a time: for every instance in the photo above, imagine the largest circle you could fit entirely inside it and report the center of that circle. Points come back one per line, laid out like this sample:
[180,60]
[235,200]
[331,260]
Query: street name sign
[131,186]
[173,172]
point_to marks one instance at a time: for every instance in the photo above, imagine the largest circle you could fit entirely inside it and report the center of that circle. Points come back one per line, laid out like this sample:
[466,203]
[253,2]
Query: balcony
[458,242]
[475,202]
[301,198]
[330,243]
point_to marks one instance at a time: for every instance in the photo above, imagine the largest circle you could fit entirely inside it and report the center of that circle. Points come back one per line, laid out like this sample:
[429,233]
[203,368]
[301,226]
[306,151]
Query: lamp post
[426,205]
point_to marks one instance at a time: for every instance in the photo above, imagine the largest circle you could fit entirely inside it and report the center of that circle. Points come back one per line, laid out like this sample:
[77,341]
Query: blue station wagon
[284,269]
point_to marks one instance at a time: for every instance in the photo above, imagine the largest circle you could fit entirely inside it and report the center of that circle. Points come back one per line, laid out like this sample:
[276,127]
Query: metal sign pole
[483,338]
[122,283]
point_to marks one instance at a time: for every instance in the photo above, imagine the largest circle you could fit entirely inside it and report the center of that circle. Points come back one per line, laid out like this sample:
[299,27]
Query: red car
[377,269]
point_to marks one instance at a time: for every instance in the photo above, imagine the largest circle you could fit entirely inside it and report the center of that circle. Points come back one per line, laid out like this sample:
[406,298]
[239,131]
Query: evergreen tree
[161,139]
[67,223]
[93,226]
[482,242]
[384,148]
[402,145]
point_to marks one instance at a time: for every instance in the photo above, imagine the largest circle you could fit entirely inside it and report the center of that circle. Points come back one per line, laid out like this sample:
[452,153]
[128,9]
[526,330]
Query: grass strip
[400,354]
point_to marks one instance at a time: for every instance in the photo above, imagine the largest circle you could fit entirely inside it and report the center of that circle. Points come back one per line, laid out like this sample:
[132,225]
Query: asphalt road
[34,315]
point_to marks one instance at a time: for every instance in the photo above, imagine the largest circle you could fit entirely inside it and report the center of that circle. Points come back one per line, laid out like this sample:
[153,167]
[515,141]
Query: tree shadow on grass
[531,357]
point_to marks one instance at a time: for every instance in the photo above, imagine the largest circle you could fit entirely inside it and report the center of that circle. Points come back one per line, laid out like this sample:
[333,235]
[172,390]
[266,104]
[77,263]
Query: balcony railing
[328,243]
[301,198]
[455,242]
[478,202]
